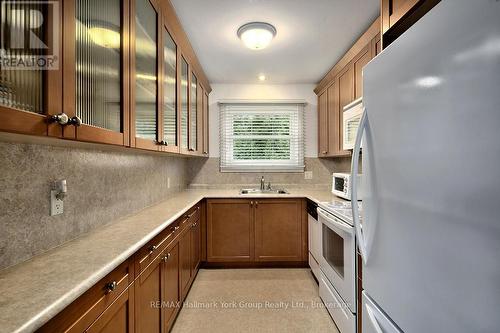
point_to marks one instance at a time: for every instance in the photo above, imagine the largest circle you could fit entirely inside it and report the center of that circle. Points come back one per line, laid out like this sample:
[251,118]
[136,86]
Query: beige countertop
[33,292]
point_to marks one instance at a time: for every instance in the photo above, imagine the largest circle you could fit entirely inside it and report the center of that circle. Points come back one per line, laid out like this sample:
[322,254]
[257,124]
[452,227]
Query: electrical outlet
[56,205]
[168,182]
[308,175]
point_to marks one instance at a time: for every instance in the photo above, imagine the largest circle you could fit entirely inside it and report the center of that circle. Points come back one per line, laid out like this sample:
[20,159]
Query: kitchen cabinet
[170,286]
[205,124]
[170,107]
[398,15]
[129,77]
[346,94]
[323,124]
[119,317]
[115,290]
[252,231]
[148,295]
[230,230]
[361,59]
[145,73]
[333,124]
[144,293]
[278,230]
[29,97]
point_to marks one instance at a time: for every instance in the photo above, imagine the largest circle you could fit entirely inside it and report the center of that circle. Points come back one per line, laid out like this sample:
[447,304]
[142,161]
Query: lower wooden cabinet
[278,230]
[244,230]
[170,283]
[119,317]
[144,293]
[230,230]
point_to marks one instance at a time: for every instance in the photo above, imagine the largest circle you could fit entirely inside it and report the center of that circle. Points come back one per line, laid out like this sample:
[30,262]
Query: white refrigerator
[430,232]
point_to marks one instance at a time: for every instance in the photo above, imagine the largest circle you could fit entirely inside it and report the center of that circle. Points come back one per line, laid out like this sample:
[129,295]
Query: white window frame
[293,108]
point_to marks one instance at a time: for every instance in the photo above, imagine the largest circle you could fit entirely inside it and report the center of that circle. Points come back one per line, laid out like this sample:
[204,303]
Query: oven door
[338,256]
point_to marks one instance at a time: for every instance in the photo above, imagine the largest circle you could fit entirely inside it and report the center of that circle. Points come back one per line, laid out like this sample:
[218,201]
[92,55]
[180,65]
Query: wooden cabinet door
[184,262]
[323,124]
[278,230]
[148,298]
[145,74]
[170,286]
[346,94]
[230,230]
[96,71]
[361,59]
[205,124]
[195,246]
[29,96]
[119,317]
[333,119]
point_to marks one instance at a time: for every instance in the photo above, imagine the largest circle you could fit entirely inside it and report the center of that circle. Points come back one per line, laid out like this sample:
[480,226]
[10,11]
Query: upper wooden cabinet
[125,74]
[341,86]
[28,97]
[398,15]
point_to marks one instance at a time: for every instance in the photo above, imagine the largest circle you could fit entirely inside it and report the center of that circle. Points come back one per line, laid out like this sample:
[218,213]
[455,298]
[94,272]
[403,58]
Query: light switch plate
[308,175]
[56,205]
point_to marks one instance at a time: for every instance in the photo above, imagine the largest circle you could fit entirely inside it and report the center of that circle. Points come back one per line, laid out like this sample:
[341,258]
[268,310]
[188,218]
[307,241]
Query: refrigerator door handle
[362,241]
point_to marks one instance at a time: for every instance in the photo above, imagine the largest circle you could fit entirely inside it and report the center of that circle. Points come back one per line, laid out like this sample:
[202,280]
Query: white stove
[341,209]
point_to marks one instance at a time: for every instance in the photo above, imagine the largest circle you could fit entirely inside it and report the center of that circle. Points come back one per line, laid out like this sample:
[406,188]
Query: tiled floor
[254,300]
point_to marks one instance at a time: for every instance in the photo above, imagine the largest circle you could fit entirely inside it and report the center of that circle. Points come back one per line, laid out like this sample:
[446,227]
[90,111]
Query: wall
[103,185]
[262,92]
[205,173]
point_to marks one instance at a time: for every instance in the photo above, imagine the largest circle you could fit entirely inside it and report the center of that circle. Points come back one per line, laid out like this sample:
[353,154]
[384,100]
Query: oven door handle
[362,239]
[335,223]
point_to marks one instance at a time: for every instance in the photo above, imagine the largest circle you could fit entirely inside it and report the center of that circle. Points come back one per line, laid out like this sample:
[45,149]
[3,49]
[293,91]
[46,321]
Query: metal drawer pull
[111,286]
[152,248]
[165,258]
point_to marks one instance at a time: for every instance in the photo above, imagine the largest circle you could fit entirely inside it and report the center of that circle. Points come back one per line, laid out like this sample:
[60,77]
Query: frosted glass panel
[194,111]
[21,89]
[146,70]
[169,90]
[184,104]
[98,63]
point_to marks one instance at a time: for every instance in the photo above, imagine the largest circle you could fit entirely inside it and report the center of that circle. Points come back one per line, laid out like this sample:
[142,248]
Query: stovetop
[341,209]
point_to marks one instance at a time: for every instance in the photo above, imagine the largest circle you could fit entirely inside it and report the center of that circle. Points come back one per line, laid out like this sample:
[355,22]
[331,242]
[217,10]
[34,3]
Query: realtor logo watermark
[29,37]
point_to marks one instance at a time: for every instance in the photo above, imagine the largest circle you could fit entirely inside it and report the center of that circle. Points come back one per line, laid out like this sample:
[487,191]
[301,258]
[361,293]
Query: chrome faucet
[262,184]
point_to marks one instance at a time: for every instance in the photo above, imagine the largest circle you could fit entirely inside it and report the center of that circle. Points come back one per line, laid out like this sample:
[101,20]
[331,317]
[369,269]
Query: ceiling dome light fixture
[256,35]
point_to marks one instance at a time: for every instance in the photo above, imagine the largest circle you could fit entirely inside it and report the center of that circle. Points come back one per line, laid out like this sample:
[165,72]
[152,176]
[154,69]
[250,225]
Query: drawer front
[88,307]
[149,252]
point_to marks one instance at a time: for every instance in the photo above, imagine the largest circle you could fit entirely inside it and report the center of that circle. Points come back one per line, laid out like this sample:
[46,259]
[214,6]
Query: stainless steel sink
[259,191]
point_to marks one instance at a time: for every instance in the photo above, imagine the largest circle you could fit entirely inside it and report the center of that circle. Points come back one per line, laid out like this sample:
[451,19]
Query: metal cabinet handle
[191,149]
[176,228]
[75,121]
[152,248]
[324,152]
[256,204]
[63,119]
[251,203]
[165,258]
[111,286]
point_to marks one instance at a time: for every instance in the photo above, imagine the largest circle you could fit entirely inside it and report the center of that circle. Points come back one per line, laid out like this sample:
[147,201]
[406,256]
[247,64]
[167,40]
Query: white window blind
[258,137]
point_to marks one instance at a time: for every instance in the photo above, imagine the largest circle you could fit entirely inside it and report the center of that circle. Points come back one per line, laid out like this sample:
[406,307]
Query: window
[259,137]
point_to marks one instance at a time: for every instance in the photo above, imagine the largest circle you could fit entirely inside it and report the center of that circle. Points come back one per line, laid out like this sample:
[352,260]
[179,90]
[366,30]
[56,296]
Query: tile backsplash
[204,173]
[103,186]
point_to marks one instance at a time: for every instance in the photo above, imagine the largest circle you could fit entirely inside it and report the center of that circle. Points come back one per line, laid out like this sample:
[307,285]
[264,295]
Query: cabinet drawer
[88,307]
[156,246]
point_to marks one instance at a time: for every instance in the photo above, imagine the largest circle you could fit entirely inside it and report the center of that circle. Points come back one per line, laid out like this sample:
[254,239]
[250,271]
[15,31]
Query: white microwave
[351,118]
[341,185]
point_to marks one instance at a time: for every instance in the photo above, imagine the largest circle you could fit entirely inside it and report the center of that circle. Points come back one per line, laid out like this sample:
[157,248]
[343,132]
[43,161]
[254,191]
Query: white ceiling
[312,36]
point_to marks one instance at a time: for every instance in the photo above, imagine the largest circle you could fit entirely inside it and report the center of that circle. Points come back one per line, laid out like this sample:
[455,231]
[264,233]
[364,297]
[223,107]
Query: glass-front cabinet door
[145,73]
[30,70]
[193,114]
[99,94]
[170,123]
[184,104]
